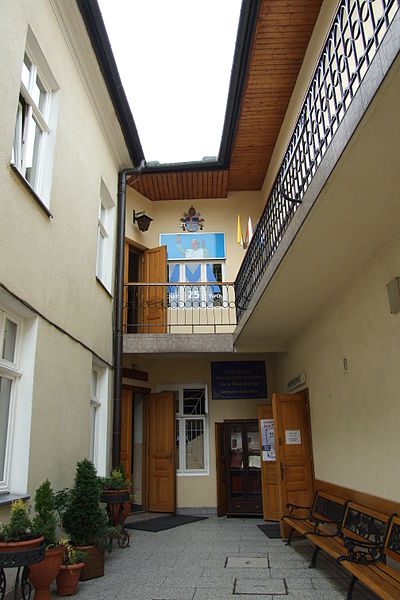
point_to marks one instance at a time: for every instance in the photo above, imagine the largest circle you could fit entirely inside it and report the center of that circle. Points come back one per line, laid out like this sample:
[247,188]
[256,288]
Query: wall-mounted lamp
[142,220]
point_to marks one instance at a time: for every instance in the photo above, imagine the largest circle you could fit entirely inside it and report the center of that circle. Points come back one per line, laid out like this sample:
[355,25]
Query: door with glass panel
[243,468]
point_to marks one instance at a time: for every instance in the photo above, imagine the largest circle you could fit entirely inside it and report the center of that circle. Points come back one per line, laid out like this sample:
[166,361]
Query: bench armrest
[362,553]
[293,507]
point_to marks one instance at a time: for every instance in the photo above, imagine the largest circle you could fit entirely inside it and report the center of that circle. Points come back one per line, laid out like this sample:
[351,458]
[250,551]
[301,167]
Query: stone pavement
[212,560]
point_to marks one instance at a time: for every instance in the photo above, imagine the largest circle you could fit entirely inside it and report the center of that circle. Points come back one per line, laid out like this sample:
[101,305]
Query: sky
[175,59]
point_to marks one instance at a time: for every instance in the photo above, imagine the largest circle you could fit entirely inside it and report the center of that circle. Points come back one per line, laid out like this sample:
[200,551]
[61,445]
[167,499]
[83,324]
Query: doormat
[271,530]
[161,523]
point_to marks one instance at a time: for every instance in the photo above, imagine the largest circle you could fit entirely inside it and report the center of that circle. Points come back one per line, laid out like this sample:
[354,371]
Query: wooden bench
[376,574]
[325,516]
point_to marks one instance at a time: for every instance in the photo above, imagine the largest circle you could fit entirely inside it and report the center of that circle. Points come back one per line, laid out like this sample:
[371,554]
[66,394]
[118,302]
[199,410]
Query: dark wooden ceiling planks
[283,31]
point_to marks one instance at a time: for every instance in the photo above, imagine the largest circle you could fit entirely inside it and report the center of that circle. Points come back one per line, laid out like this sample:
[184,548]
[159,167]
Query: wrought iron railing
[179,307]
[356,34]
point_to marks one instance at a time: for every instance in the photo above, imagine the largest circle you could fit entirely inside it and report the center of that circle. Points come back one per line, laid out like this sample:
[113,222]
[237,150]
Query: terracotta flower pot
[42,574]
[68,578]
[25,545]
[117,510]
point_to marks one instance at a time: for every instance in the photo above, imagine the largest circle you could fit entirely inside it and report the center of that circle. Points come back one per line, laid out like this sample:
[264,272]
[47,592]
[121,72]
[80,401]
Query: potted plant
[42,574]
[116,493]
[70,570]
[18,534]
[84,520]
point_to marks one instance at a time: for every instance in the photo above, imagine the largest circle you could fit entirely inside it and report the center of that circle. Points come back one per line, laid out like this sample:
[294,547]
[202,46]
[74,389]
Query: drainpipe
[119,299]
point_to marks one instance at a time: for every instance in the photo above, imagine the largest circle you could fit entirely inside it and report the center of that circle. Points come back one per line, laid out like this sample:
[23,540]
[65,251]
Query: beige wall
[200,491]
[355,416]
[219,214]
[51,262]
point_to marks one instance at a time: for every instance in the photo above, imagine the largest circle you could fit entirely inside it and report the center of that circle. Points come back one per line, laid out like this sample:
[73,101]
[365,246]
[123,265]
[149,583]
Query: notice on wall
[293,436]
[237,380]
[268,440]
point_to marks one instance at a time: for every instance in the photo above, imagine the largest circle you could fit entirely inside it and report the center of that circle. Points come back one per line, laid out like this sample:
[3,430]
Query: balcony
[162,317]
[332,205]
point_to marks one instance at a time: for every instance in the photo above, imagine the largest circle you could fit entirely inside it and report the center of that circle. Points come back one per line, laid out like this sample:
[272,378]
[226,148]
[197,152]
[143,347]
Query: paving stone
[260,586]
[235,562]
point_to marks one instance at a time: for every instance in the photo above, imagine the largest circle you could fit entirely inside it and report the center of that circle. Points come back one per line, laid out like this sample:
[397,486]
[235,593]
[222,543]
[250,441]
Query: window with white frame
[105,227]
[192,295]
[34,137]
[98,416]
[192,436]
[9,376]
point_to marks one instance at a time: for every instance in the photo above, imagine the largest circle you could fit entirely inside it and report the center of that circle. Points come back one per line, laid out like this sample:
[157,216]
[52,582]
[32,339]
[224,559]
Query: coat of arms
[192,221]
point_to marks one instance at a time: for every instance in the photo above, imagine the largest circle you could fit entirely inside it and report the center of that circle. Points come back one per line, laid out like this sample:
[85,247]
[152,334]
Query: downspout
[119,299]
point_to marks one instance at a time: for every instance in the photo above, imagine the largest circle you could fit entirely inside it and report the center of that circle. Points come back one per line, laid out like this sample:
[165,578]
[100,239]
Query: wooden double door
[149,446]
[286,471]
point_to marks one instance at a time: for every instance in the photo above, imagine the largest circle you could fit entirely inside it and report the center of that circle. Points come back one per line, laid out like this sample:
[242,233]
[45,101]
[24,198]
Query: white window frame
[105,238]
[181,419]
[98,417]
[44,118]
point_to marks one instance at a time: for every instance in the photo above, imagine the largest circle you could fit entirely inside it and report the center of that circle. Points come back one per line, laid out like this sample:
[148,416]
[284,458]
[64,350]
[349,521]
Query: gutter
[118,317]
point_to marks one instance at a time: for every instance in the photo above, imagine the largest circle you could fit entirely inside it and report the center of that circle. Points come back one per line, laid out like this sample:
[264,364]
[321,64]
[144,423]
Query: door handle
[282,471]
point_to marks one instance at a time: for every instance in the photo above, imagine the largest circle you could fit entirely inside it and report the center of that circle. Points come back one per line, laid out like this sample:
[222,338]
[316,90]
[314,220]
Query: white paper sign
[268,440]
[293,436]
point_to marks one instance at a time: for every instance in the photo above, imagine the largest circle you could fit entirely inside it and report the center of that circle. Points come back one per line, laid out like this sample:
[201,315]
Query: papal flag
[249,233]
[239,232]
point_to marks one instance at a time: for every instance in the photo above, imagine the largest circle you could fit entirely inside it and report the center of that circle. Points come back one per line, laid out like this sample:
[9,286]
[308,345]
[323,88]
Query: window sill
[31,191]
[6,499]
[99,281]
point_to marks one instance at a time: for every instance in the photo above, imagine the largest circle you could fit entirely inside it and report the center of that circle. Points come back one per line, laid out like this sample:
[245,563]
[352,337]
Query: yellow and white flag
[239,232]
[249,233]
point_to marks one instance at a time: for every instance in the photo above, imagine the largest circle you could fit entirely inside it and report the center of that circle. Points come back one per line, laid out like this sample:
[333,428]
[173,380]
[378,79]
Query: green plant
[72,556]
[45,522]
[81,514]
[20,526]
[116,481]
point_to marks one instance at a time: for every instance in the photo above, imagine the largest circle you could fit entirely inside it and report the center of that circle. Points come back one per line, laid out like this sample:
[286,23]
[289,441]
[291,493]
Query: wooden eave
[282,34]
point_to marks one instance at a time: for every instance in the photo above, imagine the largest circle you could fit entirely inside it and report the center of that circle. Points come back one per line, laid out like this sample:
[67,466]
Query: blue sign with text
[232,380]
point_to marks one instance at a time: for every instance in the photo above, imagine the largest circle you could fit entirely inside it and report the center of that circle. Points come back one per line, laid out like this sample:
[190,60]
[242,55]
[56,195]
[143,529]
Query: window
[98,416]
[9,376]
[105,225]
[194,296]
[192,450]
[34,137]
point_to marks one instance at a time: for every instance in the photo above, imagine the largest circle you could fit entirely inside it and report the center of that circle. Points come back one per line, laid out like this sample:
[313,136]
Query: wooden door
[162,453]
[221,468]
[155,297]
[126,430]
[293,452]
[270,493]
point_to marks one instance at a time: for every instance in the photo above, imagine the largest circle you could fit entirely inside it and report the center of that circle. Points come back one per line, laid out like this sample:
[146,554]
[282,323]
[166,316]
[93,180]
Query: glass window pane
[177,445]
[5,397]
[10,336]
[32,151]
[39,94]
[194,438]
[25,73]
[93,392]
[93,410]
[194,402]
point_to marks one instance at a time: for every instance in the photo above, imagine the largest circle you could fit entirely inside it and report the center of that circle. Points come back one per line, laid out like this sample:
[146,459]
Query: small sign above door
[236,380]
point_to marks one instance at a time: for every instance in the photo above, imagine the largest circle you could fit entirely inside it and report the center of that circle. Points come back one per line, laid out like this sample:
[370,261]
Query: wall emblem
[192,221]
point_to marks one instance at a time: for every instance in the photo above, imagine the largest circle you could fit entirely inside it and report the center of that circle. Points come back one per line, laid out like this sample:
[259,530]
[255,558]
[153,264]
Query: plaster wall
[220,214]
[200,490]
[51,262]
[354,405]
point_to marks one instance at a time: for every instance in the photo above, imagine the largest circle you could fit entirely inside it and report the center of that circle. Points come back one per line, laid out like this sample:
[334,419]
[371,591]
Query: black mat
[161,523]
[271,530]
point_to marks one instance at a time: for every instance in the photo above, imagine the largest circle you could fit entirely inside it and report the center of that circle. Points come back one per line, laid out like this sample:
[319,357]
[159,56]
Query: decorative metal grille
[332,511]
[394,540]
[365,525]
[357,32]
